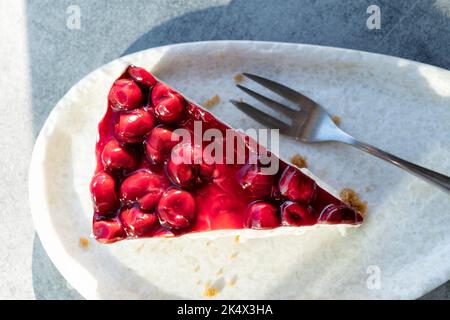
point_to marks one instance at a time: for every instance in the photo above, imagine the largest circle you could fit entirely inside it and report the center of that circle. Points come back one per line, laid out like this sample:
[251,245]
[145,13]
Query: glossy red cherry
[296,214]
[256,182]
[134,126]
[296,186]
[180,167]
[138,223]
[108,231]
[206,164]
[170,109]
[141,76]
[144,188]
[159,144]
[333,214]
[103,191]
[115,156]
[125,95]
[262,215]
[159,92]
[176,209]
[181,174]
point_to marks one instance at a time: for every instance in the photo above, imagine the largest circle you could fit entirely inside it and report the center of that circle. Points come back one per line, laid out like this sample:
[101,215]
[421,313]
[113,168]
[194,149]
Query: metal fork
[311,123]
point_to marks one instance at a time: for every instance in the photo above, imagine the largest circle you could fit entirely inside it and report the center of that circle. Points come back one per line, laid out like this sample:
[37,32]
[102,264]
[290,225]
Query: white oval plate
[402,249]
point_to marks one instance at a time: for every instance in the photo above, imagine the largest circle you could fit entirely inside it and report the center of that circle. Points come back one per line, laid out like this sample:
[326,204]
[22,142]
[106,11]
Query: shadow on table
[332,23]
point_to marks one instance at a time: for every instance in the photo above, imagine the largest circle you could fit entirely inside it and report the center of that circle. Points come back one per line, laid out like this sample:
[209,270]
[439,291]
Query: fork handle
[438,179]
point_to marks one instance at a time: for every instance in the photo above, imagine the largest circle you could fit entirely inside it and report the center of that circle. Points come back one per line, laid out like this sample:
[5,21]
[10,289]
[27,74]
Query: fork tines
[289,94]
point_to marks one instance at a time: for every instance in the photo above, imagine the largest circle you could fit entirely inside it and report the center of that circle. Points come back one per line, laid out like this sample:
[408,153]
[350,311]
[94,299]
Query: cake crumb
[219,272]
[139,248]
[367,189]
[199,282]
[232,282]
[197,269]
[352,199]
[84,242]
[336,120]
[211,102]
[233,255]
[208,243]
[299,161]
[237,238]
[238,78]
[209,292]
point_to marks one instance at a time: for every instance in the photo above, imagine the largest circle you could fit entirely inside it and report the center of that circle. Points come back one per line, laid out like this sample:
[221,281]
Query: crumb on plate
[84,242]
[219,272]
[233,255]
[238,78]
[299,161]
[212,101]
[196,268]
[232,282]
[237,238]
[352,199]
[336,120]
[209,291]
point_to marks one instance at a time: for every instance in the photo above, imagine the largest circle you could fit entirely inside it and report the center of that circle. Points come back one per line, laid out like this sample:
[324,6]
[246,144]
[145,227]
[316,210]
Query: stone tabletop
[47,46]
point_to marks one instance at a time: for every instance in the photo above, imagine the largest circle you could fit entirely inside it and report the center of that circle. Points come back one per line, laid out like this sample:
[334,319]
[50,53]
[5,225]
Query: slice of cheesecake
[166,167]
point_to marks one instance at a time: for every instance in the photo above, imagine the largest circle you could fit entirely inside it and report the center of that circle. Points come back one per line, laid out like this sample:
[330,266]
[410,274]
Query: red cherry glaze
[117,157]
[296,186]
[141,189]
[141,76]
[255,182]
[159,92]
[108,231]
[176,209]
[159,144]
[125,95]
[181,174]
[134,126]
[262,215]
[296,214]
[144,188]
[138,223]
[103,191]
[334,214]
[170,109]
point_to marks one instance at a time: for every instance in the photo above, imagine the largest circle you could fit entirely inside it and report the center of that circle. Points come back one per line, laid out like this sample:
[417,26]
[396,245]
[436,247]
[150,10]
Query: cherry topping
[296,214]
[159,92]
[176,209]
[134,126]
[125,95]
[141,76]
[181,174]
[115,156]
[333,214]
[262,215]
[138,223]
[255,182]
[103,191]
[296,186]
[159,144]
[144,188]
[170,109]
[108,231]
[169,105]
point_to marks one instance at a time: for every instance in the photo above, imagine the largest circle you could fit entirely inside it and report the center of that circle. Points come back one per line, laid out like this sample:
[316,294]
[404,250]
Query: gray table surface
[41,58]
